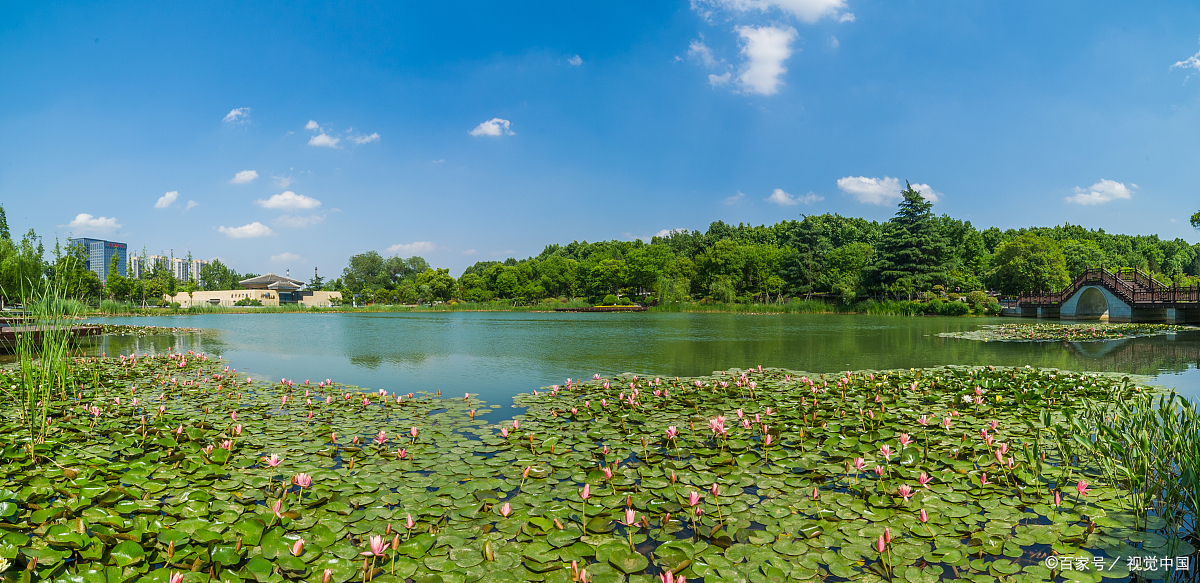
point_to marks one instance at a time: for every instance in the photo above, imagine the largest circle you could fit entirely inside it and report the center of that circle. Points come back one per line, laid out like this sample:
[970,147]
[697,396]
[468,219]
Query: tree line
[844,259]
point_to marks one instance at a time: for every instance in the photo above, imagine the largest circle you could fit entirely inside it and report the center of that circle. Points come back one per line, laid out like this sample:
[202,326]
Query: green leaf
[127,553]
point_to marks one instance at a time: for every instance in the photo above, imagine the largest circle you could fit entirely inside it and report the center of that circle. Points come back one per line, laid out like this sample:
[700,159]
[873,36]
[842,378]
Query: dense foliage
[844,260]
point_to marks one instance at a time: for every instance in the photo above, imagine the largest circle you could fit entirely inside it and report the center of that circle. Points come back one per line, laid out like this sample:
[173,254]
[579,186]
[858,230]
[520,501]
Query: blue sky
[286,136]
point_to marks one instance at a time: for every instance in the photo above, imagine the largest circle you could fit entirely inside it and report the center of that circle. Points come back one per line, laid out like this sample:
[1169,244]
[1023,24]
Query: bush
[933,306]
[993,308]
[978,301]
[955,309]
[609,300]
[930,296]
[248,302]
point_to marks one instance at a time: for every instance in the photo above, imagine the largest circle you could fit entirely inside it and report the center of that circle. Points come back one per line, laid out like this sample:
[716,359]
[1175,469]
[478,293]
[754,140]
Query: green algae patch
[168,468]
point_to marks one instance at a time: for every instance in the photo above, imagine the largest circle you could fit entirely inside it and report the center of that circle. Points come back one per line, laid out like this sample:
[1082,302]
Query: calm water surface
[499,354]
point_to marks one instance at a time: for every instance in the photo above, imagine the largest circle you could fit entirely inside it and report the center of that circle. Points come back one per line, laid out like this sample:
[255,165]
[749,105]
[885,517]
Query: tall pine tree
[913,252]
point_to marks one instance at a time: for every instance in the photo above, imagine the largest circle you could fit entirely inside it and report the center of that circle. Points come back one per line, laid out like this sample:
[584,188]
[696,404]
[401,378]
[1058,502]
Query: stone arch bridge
[1121,295]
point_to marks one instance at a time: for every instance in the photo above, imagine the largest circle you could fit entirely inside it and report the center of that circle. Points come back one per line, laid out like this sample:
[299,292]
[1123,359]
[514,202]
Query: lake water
[499,354]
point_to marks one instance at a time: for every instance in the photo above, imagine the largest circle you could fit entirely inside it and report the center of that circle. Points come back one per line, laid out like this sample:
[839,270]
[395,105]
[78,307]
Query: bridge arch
[1094,302]
[1092,305]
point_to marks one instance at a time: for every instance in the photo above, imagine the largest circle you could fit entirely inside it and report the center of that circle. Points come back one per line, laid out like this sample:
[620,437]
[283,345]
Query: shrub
[978,301]
[993,308]
[609,300]
[248,302]
[955,309]
[929,296]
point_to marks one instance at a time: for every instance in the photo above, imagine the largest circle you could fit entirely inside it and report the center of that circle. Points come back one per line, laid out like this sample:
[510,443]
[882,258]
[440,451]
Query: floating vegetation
[172,468]
[131,330]
[1064,332]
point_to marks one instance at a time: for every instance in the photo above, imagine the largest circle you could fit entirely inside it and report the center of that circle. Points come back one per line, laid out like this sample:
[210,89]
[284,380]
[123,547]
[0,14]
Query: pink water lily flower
[924,516]
[378,547]
[303,480]
[672,432]
[505,510]
[408,522]
[298,547]
[273,461]
[859,464]
[923,420]
[1082,488]
[693,498]
[905,440]
[924,480]
[630,517]
[906,491]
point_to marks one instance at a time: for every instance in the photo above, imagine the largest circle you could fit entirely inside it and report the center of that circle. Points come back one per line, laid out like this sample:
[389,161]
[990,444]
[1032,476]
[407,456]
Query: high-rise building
[99,256]
[135,267]
[180,268]
[196,266]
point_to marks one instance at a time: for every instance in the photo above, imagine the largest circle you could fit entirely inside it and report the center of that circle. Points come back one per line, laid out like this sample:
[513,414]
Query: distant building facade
[181,269]
[270,289]
[99,256]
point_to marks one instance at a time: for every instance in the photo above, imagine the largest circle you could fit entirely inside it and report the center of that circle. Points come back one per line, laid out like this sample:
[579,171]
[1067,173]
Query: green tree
[5,235]
[1080,255]
[1030,263]
[118,286]
[1196,220]
[913,246]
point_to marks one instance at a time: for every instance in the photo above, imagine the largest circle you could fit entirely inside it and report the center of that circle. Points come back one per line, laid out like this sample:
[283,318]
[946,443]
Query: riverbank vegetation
[843,261]
[175,468]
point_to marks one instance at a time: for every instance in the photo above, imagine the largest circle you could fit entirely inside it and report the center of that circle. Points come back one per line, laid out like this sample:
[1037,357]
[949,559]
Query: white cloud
[360,140]
[241,114]
[669,232]
[735,198]
[438,161]
[715,80]
[84,223]
[765,48]
[575,61]
[469,252]
[881,191]
[243,177]
[411,248]
[283,181]
[323,139]
[286,257]
[493,127]
[782,198]
[166,200]
[298,221]
[927,192]
[255,229]
[698,50]
[311,125]
[806,10]
[833,42]
[289,200]
[1192,62]
[191,204]
[1101,192]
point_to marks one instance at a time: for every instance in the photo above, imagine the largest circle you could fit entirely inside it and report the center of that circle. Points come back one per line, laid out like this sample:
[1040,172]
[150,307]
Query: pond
[498,354]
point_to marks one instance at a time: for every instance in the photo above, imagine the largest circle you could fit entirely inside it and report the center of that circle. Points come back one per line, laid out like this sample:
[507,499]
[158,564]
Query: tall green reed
[43,349]
[1151,447]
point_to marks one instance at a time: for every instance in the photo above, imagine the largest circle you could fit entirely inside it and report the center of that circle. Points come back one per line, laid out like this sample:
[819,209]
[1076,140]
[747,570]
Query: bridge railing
[1129,284]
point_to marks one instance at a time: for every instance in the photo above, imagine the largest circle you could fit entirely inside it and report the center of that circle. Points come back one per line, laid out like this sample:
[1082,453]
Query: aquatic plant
[134,493]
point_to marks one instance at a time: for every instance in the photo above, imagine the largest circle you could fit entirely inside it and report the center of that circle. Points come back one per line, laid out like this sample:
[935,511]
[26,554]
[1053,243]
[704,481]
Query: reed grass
[44,359]
[1151,447]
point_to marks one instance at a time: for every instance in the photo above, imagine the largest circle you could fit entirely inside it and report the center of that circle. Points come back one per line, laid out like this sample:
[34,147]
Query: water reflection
[500,354]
